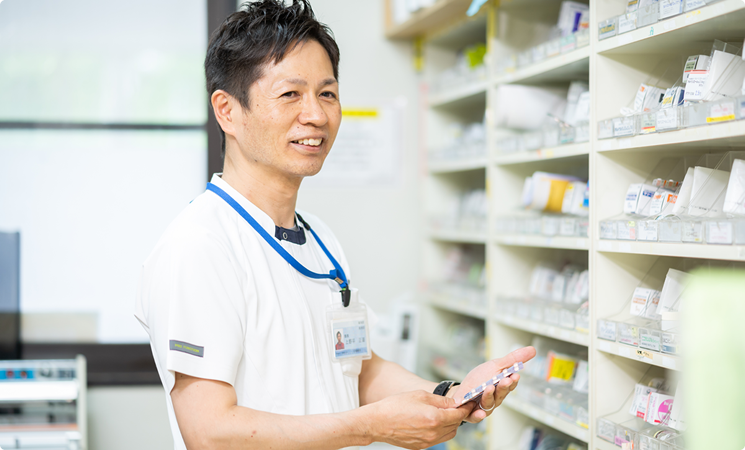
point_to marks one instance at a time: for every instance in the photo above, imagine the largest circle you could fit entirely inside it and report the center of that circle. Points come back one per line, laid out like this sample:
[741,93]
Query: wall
[379,227]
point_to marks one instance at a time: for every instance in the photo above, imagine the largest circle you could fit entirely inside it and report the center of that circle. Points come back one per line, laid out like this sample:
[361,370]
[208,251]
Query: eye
[289,94]
[328,94]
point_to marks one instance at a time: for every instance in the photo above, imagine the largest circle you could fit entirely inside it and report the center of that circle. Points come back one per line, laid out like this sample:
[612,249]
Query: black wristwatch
[444,386]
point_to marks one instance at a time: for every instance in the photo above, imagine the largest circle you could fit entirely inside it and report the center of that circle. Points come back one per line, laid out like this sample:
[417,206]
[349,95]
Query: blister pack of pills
[477,392]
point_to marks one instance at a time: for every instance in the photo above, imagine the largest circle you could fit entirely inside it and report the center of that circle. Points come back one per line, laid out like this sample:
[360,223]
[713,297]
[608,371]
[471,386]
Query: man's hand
[492,397]
[415,420]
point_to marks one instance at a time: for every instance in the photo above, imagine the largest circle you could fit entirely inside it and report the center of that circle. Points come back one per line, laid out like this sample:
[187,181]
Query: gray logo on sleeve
[185,347]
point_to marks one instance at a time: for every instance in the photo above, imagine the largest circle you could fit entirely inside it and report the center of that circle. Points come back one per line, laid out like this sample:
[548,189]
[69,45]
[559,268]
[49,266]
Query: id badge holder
[348,334]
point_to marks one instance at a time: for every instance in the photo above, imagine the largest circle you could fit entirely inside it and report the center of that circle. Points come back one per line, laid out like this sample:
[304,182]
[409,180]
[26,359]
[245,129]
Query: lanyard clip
[346,296]
[346,293]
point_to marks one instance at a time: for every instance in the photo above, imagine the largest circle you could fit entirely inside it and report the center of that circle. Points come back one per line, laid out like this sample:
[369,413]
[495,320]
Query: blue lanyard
[336,274]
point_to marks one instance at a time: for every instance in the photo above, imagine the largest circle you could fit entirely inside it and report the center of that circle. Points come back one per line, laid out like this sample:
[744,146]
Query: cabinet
[509,250]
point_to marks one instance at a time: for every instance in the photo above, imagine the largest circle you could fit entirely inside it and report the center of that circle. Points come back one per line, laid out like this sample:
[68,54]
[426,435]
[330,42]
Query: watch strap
[443,388]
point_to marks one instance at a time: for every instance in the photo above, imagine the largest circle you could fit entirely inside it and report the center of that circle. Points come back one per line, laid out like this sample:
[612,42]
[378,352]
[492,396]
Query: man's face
[338,337]
[294,114]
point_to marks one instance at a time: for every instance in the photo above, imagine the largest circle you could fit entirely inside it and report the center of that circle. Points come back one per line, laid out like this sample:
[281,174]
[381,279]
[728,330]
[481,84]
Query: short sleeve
[206,313]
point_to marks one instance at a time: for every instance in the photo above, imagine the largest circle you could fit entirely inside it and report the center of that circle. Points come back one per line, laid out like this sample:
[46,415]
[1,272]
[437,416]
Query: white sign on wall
[367,151]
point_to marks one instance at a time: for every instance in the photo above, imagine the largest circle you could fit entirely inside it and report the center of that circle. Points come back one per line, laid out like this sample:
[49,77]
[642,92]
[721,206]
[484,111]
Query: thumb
[441,402]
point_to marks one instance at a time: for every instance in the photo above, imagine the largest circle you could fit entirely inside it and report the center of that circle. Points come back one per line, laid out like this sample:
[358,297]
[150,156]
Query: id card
[348,331]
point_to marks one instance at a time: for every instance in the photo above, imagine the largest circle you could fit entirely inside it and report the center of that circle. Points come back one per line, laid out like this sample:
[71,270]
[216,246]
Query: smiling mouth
[310,142]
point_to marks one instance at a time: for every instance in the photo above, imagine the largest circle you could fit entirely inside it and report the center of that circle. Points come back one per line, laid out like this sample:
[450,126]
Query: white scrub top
[219,303]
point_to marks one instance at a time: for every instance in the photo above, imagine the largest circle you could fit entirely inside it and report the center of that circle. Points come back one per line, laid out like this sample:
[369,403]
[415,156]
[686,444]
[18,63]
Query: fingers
[454,415]
[515,380]
[520,355]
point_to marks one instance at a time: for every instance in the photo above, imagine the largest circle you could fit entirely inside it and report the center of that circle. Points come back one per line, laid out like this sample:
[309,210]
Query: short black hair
[261,32]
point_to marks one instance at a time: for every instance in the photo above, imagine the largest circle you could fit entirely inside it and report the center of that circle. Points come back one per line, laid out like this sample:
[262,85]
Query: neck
[272,193]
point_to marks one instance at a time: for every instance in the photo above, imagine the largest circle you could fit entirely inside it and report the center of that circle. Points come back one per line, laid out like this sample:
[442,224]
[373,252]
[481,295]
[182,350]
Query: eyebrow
[301,82]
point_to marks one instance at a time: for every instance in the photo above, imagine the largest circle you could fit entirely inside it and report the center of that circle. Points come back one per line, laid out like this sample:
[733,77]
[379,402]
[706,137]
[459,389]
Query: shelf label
[695,85]
[623,126]
[626,230]
[624,351]
[694,4]
[608,230]
[668,362]
[667,119]
[644,354]
[627,23]
[691,16]
[648,231]
[624,247]
[692,232]
[648,123]
[669,8]
[650,340]
[604,347]
[606,330]
[719,232]
[721,112]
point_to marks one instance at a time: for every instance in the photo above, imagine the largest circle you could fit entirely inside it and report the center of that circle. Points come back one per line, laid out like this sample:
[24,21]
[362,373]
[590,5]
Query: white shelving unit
[558,333]
[544,154]
[547,419]
[637,354]
[458,165]
[457,306]
[614,69]
[459,94]
[456,236]
[565,66]
[562,242]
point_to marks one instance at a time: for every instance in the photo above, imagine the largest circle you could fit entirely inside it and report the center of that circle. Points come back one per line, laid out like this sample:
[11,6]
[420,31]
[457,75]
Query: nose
[313,112]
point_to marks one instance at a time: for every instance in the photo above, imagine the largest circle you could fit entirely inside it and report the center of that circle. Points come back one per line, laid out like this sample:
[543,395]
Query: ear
[227,111]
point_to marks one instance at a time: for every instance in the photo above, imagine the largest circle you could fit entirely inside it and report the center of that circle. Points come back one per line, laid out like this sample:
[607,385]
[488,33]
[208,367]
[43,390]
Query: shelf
[639,354]
[457,165]
[448,373]
[566,67]
[604,445]
[703,251]
[427,20]
[729,134]
[544,154]
[468,237]
[38,391]
[542,416]
[464,94]
[551,331]
[723,20]
[565,242]
[456,306]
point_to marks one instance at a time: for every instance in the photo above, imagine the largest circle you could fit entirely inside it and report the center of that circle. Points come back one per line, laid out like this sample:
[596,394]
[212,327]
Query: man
[339,343]
[238,332]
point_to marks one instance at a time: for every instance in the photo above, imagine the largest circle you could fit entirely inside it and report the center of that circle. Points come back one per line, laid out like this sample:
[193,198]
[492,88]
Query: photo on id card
[350,338]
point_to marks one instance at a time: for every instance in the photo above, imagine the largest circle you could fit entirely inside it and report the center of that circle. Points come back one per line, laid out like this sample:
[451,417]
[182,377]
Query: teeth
[311,142]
